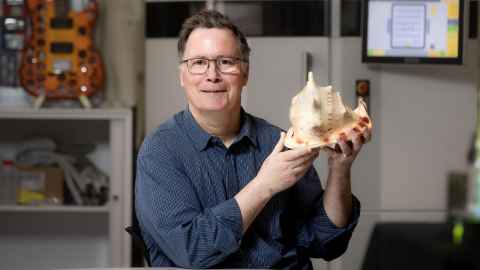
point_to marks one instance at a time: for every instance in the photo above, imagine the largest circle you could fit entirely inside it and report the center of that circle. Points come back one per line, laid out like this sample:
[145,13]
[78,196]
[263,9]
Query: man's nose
[212,72]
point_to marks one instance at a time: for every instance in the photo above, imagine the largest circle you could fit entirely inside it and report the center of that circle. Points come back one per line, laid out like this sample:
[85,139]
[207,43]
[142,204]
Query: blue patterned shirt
[185,187]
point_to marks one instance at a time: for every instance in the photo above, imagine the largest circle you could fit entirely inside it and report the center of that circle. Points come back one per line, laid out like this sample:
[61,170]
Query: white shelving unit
[51,237]
[70,209]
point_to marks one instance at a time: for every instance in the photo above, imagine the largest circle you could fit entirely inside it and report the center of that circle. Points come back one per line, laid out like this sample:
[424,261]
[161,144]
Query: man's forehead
[211,40]
[212,30]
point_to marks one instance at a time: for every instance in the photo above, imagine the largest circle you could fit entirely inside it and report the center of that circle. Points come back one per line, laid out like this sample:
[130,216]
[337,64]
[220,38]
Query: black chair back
[136,235]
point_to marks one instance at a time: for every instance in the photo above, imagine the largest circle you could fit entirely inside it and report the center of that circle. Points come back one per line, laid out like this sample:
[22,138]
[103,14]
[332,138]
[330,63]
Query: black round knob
[82,53]
[82,30]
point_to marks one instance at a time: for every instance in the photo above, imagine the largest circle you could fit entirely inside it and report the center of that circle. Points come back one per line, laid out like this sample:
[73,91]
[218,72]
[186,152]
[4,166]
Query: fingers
[297,153]
[360,139]
[357,142]
[367,135]
[330,152]
[279,146]
[297,161]
[306,159]
[346,147]
[353,146]
[302,168]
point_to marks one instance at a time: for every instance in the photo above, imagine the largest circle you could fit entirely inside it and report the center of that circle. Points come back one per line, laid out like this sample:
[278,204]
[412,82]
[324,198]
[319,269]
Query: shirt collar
[247,128]
[201,137]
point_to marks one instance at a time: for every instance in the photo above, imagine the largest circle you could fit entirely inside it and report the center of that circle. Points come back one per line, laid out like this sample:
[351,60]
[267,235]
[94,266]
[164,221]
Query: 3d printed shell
[319,118]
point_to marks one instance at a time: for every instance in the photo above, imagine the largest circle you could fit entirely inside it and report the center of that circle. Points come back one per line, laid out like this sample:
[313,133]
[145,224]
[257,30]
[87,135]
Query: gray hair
[212,19]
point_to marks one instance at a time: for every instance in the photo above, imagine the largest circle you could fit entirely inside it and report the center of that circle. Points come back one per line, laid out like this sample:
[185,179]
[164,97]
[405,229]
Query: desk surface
[421,246]
[146,268]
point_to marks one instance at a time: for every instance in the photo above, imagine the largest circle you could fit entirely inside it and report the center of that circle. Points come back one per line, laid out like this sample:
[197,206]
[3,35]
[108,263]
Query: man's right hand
[279,171]
[282,169]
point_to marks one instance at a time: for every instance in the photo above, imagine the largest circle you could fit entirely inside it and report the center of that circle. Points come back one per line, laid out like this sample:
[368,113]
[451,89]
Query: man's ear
[246,73]
[180,75]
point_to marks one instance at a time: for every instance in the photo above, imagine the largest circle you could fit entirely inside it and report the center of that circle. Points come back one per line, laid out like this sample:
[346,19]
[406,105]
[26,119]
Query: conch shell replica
[319,118]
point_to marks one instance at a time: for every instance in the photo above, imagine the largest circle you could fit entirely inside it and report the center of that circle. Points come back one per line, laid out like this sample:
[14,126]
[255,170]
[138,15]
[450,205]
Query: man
[215,189]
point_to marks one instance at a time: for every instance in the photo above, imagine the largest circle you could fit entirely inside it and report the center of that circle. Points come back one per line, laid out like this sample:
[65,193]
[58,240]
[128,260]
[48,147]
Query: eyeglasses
[226,65]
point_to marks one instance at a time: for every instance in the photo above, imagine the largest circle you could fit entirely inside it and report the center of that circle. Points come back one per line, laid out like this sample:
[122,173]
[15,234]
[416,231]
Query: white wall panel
[163,96]
[278,73]
[427,122]
[346,69]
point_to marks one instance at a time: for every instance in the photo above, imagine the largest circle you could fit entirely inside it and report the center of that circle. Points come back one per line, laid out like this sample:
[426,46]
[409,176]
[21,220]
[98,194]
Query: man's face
[212,91]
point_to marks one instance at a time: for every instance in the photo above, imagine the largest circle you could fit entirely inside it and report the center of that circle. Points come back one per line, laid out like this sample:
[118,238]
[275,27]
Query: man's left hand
[342,157]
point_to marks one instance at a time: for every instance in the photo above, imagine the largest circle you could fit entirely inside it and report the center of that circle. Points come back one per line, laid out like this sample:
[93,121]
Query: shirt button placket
[230,175]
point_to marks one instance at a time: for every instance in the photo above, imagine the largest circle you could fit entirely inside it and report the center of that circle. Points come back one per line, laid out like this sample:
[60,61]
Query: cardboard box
[40,185]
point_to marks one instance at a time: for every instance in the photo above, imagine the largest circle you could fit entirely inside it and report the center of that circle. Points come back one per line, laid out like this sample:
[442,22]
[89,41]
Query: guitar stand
[38,102]
[85,102]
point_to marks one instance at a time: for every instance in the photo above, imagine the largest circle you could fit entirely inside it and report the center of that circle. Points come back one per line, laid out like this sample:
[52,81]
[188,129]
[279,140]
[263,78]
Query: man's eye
[227,61]
[199,62]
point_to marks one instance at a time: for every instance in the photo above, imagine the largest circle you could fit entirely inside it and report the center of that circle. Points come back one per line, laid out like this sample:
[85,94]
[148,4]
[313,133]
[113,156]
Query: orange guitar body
[59,60]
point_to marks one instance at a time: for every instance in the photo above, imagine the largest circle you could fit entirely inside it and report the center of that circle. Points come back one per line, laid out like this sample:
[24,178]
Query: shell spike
[310,80]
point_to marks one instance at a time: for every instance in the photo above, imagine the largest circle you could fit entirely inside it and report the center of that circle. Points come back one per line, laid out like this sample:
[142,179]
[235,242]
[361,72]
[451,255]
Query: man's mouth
[214,91]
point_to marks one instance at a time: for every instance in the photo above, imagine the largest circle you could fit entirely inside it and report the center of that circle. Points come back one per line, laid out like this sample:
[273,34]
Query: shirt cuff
[333,231]
[228,213]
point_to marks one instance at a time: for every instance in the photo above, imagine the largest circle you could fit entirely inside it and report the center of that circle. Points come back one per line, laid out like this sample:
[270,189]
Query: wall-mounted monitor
[412,31]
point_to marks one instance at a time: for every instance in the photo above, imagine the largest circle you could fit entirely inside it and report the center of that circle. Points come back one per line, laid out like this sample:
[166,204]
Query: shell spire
[310,78]
[311,85]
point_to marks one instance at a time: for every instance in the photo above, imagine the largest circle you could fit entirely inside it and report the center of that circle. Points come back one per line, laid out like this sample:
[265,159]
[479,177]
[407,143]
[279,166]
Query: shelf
[95,232]
[55,208]
[61,113]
